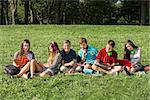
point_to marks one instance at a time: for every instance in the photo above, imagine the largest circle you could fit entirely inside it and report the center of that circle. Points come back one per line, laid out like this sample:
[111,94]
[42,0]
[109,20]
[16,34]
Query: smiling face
[109,48]
[66,47]
[129,47]
[25,47]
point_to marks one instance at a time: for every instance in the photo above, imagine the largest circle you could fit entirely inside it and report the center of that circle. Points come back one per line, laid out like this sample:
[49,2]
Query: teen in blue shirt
[87,53]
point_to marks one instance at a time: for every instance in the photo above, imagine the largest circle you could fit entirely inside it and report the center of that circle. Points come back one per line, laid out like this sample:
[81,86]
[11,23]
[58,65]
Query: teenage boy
[106,59]
[69,58]
[87,53]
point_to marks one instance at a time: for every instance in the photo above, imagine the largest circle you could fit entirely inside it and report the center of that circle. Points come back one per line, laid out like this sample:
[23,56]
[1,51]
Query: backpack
[11,70]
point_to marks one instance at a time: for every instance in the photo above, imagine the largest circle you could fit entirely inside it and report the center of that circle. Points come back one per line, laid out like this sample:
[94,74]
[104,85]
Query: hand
[96,62]
[132,69]
[109,68]
[71,70]
[132,65]
[108,64]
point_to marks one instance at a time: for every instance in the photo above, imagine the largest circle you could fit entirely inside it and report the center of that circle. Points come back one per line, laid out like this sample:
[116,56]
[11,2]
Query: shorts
[53,71]
[138,67]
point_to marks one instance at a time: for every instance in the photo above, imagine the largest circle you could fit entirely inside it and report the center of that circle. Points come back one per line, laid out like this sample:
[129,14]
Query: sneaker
[97,74]
[29,75]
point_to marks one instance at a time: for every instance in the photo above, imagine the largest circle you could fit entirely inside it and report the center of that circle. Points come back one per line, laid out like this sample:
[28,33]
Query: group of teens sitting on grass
[88,60]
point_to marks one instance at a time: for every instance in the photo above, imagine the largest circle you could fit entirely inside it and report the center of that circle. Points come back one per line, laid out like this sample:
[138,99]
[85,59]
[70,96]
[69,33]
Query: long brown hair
[51,55]
[21,46]
[126,51]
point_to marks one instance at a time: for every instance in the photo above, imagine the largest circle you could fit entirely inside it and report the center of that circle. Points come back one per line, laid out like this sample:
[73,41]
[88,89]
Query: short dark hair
[83,40]
[111,43]
[67,41]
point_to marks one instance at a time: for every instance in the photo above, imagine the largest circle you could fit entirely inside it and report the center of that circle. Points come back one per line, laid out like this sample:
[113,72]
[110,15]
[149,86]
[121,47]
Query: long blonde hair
[52,54]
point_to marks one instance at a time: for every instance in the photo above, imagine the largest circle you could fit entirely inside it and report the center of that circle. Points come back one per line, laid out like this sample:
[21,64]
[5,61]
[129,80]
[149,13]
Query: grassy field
[73,87]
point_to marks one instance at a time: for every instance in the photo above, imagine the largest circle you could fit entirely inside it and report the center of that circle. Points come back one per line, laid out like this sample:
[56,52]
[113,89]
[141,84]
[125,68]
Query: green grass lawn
[76,87]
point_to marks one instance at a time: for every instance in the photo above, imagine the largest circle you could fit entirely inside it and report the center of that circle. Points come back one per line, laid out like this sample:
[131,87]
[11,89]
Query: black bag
[11,70]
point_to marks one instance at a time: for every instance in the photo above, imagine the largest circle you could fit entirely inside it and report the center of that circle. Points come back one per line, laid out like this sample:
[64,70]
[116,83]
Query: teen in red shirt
[106,59]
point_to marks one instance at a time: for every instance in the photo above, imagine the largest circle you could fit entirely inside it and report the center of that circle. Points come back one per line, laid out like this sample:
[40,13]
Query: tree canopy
[74,12]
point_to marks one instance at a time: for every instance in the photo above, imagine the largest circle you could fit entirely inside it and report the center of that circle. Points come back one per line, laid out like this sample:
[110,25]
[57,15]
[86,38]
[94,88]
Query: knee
[88,66]
[42,74]
[78,69]
[63,68]
[29,62]
[33,61]
[94,67]
[120,68]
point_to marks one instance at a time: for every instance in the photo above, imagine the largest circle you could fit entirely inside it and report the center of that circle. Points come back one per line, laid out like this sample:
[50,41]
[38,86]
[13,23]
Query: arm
[70,63]
[138,55]
[56,61]
[16,55]
[82,55]
[97,61]
[98,57]
[113,64]
[115,56]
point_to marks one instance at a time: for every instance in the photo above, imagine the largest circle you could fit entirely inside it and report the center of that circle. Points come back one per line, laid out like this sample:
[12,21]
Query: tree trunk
[5,12]
[58,15]
[13,5]
[31,11]
[7,18]
[2,11]
[26,7]
[143,12]
[13,17]
[149,12]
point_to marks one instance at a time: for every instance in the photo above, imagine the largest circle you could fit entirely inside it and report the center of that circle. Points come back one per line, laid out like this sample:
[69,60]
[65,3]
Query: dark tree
[2,12]
[26,7]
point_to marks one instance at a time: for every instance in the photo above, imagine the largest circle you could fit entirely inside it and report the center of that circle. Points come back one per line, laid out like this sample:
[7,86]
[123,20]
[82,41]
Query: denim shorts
[53,71]
[138,67]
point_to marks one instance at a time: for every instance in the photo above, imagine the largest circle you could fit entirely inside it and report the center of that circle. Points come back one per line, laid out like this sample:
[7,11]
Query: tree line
[95,12]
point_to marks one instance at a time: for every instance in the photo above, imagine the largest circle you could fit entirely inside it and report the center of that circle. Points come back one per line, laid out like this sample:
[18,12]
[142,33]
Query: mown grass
[76,87]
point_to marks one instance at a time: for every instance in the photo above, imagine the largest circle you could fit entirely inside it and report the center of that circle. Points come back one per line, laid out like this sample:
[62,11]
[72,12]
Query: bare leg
[64,69]
[89,66]
[35,67]
[25,76]
[147,68]
[132,70]
[116,69]
[44,73]
[94,67]
[24,69]
[128,68]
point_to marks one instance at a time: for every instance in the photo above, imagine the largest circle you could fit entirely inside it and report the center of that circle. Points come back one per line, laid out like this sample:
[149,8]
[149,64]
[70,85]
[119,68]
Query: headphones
[109,53]
[133,51]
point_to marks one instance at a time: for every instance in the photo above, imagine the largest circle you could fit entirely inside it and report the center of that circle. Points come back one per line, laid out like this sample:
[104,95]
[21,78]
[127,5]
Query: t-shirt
[56,62]
[90,56]
[68,57]
[30,55]
[105,58]
[136,56]
[22,60]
